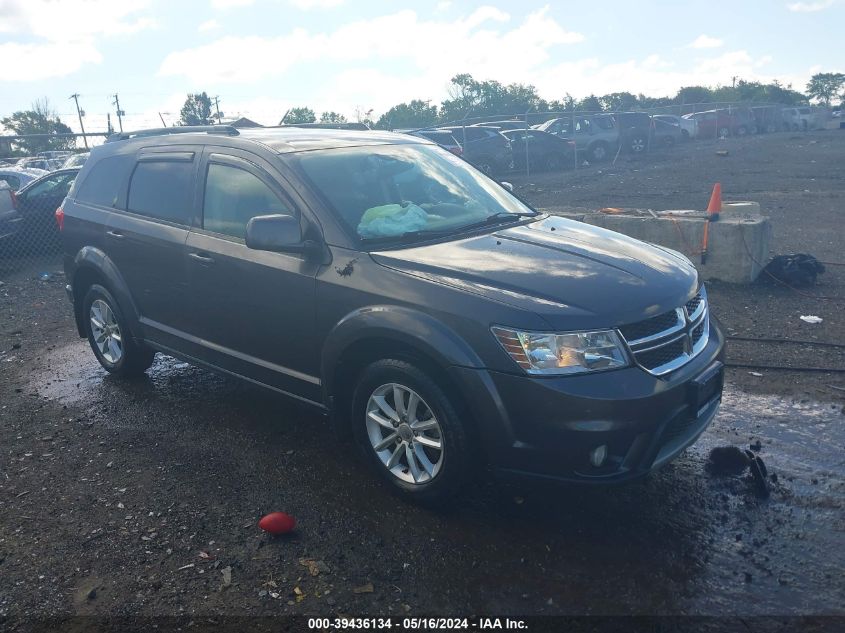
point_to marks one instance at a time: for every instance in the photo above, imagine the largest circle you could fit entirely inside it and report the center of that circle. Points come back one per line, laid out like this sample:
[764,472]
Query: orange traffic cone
[714,208]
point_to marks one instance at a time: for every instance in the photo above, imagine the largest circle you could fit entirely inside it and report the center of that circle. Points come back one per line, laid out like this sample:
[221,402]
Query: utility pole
[217,106]
[109,128]
[75,97]
[120,112]
[162,120]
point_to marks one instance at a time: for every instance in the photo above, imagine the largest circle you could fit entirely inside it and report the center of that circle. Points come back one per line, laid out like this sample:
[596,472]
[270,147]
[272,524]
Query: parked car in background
[543,151]
[484,147]
[54,154]
[511,124]
[595,135]
[75,160]
[47,164]
[688,127]
[38,201]
[724,122]
[666,133]
[636,131]
[10,219]
[443,138]
[16,177]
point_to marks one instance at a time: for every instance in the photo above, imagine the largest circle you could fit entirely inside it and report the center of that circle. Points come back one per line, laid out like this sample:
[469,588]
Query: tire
[638,144]
[741,130]
[486,166]
[437,474]
[111,340]
[723,132]
[598,152]
[685,134]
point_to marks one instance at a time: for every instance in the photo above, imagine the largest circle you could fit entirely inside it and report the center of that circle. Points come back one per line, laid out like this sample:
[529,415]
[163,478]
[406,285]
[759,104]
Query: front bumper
[545,428]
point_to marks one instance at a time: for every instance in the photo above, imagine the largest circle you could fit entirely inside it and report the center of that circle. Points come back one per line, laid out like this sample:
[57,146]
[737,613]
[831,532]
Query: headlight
[569,353]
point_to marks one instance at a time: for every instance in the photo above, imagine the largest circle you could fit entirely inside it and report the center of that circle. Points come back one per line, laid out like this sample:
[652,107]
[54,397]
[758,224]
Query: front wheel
[410,431]
[598,152]
[109,335]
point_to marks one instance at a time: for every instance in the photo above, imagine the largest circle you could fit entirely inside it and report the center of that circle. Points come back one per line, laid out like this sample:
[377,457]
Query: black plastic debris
[759,473]
[797,269]
[727,460]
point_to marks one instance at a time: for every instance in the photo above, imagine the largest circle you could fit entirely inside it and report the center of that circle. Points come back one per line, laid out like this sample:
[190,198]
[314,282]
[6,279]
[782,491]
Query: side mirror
[507,185]
[278,233]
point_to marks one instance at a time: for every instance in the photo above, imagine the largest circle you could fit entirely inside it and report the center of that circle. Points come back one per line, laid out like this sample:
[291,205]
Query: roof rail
[178,129]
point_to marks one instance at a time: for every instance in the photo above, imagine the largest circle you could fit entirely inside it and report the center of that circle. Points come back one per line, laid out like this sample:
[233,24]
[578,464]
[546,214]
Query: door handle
[202,258]
[115,234]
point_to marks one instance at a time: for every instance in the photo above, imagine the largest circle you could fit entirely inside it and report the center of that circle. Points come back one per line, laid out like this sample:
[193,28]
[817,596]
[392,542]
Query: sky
[262,57]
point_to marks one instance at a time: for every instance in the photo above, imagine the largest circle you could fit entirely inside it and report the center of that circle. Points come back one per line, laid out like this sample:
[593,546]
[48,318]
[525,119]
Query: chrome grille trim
[692,315]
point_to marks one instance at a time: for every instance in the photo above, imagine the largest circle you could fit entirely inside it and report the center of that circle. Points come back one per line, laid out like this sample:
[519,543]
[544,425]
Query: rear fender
[92,262]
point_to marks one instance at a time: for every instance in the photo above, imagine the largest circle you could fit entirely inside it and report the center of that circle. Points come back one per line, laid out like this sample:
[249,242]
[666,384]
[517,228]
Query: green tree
[332,117]
[415,114]
[619,101]
[196,110]
[590,104]
[471,98]
[299,115]
[693,94]
[825,86]
[41,119]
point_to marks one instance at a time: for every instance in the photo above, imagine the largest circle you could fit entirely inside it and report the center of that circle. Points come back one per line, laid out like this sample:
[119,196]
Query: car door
[38,203]
[252,312]
[146,240]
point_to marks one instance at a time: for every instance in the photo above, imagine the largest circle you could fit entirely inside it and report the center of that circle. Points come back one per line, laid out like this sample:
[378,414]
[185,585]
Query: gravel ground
[133,498]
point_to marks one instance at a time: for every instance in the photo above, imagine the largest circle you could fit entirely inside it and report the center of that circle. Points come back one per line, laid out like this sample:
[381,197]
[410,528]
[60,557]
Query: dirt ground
[141,498]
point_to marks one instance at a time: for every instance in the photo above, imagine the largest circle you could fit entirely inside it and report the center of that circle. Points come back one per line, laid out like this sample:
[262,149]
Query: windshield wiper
[496,218]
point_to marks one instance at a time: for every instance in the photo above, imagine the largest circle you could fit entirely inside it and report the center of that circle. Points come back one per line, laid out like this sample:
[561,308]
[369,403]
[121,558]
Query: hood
[571,274]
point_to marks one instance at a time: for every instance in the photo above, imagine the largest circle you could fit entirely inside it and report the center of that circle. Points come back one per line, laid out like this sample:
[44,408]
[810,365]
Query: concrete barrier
[738,244]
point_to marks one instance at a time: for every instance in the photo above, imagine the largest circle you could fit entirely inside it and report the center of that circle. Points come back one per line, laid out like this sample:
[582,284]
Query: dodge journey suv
[441,323]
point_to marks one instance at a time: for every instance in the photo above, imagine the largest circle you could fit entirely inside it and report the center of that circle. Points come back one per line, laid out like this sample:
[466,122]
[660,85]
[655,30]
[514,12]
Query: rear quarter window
[103,184]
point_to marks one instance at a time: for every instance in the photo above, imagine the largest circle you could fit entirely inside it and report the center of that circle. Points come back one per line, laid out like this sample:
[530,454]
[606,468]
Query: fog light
[598,455]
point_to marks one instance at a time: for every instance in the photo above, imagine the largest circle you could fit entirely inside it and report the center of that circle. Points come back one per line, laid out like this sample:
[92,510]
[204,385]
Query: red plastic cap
[60,218]
[277,523]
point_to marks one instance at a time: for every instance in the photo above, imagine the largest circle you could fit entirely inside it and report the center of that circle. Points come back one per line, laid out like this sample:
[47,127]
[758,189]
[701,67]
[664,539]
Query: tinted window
[52,186]
[162,189]
[102,184]
[13,181]
[232,197]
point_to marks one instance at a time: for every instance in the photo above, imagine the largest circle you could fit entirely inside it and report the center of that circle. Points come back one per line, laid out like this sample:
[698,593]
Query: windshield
[393,191]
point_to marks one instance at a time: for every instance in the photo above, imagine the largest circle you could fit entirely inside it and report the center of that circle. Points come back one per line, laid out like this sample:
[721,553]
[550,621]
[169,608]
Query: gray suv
[596,136]
[443,325]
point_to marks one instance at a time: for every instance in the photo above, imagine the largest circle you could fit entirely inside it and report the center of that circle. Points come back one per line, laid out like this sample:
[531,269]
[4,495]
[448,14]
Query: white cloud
[64,32]
[442,6]
[73,20]
[44,61]
[483,43]
[810,7]
[705,41]
[306,5]
[209,25]
[229,4]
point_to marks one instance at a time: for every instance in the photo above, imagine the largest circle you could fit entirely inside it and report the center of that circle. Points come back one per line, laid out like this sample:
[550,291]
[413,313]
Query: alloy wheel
[106,330]
[404,433]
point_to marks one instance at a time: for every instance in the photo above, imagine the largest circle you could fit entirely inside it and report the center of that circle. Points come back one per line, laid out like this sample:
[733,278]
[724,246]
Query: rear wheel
[109,335]
[598,152]
[410,431]
[724,131]
[638,144]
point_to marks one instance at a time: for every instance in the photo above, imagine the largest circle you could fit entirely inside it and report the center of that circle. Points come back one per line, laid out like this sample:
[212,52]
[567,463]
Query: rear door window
[161,187]
[13,181]
[233,196]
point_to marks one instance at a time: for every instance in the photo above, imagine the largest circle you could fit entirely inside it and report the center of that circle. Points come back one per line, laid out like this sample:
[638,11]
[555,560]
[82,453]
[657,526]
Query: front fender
[406,326]
[93,263]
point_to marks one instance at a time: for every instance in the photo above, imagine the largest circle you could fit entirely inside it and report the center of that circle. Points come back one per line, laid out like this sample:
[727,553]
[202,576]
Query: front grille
[652,359]
[650,327]
[668,341]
